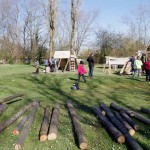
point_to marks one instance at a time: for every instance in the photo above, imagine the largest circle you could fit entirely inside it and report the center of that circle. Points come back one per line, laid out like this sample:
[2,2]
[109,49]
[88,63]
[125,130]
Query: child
[37,65]
[81,71]
[147,70]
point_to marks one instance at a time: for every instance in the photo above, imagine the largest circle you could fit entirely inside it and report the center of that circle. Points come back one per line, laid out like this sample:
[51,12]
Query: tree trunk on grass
[27,127]
[125,123]
[109,126]
[131,113]
[129,120]
[6,99]
[3,107]
[45,125]
[77,127]
[20,125]
[113,119]
[8,122]
[54,123]
[145,110]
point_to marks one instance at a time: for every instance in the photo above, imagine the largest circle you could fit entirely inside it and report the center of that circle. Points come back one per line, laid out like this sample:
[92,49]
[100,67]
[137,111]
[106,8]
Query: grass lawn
[52,88]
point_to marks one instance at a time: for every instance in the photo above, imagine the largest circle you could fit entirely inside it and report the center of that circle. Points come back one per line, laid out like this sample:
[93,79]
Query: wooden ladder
[72,63]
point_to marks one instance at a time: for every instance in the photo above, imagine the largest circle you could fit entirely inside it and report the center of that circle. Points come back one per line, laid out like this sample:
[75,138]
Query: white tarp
[61,54]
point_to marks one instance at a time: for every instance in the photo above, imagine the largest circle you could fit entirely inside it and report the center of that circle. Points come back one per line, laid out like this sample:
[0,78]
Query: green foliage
[55,88]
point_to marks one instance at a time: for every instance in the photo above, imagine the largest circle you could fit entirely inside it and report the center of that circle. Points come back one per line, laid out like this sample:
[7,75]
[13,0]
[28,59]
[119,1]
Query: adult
[147,69]
[52,64]
[90,61]
[132,60]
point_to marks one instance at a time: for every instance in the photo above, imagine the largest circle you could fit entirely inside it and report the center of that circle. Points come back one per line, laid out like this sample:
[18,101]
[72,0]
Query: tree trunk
[131,113]
[129,120]
[6,99]
[54,123]
[20,125]
[125,123]
[8,122]
[3,107]
[45,125]
[113,119]
[27,127]
[109,126]
[77,127]
[145,110]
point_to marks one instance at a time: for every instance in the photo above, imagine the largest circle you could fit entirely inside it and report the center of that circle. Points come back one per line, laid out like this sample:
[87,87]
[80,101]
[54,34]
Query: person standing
[81,71]
[53,64]
[90,61]
[137,66]
[37,65]
[147,69]
[132,60]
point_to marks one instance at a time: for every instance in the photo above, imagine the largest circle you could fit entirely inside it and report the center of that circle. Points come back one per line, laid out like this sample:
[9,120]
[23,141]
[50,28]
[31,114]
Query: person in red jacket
[81,71]
[147,69]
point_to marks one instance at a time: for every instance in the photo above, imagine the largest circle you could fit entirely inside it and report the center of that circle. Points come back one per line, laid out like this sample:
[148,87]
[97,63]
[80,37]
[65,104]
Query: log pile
[145,110]
[119,124]
[77,127]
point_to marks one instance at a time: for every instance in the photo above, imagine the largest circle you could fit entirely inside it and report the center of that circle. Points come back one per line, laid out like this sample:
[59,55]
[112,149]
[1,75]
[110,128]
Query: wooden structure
[65,61]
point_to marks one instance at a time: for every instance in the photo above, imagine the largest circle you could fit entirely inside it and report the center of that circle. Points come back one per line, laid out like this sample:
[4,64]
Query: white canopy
[62,55]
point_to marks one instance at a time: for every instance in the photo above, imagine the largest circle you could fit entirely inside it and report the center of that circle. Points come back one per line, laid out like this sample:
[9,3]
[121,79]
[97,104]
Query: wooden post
[109,126]
[27,127]
[6,99]
[8,122]
[125,123]
[45,125]
[129,120]
[52,135]
[20,125]
[145,110]
[78,130]
[3,107]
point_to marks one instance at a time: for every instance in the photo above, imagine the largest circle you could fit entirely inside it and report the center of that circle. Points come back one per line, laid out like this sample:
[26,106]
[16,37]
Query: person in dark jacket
[147,70]
[90,61]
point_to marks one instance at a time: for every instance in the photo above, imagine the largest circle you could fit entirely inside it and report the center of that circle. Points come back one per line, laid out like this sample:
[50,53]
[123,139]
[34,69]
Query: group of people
[50,62]
[137,66]
[82,71]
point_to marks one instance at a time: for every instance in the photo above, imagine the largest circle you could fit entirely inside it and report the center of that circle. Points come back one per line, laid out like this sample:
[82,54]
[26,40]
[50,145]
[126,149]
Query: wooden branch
[45,125]
[8,122]
[52,135]
[129,120]
[3,107]
[77,127]
[116,134]
[27,127]
[20,125]
[6,99]
[145,110]
[131,113]
[125,123]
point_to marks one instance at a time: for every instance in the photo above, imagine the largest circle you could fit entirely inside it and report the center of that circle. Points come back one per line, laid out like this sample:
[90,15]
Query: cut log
[118,108]
[131,113]
[145,110]
[20,125]
[27,127]
[116,134]
[113,119]
[77,127]
[8,122]
[125,123]
[45,125]
[3,107]
[52,135]
[129,120]
[6,99]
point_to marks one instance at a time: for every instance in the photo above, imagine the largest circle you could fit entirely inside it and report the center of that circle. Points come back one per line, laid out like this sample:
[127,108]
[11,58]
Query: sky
[112,11]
